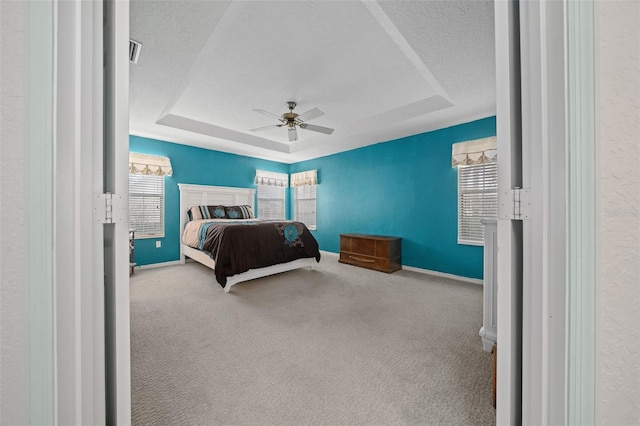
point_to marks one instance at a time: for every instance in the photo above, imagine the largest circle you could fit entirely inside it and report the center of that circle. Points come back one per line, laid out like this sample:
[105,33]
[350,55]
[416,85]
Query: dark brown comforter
[236,248]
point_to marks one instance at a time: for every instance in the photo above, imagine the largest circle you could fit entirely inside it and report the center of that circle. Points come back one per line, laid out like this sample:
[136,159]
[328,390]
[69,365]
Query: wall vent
[134,51]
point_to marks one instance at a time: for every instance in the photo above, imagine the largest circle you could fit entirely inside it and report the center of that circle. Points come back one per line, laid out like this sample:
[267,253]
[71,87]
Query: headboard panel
[196,195]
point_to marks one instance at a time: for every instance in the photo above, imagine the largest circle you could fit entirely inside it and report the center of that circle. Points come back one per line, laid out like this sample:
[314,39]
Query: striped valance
[478,151]
[307,178]
[264,177]
[146,164]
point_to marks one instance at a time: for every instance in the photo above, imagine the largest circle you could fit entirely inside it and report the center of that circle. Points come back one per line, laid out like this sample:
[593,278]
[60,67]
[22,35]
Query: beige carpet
[337,345]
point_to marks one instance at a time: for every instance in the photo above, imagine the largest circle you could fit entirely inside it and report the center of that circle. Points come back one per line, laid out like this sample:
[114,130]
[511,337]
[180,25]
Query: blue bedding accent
[203,229]
[203,233]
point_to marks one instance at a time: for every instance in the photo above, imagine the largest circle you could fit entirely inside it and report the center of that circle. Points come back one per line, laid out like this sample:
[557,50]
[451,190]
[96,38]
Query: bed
[299,243]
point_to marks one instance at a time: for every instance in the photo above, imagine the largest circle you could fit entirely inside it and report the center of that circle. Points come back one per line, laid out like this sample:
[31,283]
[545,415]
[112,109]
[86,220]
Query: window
[271,186]
[477,199]
[304,200]
[270,202]
[146,205]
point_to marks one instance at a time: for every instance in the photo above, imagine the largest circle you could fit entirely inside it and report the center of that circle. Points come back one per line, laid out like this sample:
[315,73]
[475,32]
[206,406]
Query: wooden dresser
[371,251]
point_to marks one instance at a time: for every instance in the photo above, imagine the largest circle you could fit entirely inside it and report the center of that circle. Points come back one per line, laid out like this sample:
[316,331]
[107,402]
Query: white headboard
[204,195]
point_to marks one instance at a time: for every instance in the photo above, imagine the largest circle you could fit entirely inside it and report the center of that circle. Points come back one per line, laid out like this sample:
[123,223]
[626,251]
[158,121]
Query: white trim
[78,242]
[329,253]
[489,331]
[471,243]
[308,262]
[157,265]
[543,235]
[549,192]
[438,274]
[509,274]
[197,255]
[116,174]
[323,253]
[93,404]
[533,172]
[40,288]
[582,214]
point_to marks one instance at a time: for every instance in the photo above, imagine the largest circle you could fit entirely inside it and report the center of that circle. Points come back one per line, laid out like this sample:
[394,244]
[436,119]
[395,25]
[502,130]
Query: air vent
[134,51]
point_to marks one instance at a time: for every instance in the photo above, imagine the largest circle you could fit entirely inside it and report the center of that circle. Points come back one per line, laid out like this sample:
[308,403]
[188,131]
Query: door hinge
[515,204]
[109,208]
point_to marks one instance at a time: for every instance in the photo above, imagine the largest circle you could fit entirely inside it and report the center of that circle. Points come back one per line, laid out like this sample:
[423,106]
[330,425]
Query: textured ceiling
[378,70]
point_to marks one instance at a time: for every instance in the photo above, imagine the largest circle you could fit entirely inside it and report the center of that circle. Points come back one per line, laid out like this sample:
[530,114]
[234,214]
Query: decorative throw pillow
[199,212]
[217,212]
[233,212]
[247,212]
[239,212]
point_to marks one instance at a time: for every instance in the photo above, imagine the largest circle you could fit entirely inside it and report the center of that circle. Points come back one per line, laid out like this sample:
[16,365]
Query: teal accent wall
[404,188]
[197,166]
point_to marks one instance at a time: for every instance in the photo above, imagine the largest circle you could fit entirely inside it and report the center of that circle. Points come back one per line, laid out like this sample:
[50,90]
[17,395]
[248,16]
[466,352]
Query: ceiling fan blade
[325,130]
[293,134]
[257,129]
[309,115]
[269,114]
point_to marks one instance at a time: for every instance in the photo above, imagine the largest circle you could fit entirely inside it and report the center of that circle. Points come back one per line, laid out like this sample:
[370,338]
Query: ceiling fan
[291,120]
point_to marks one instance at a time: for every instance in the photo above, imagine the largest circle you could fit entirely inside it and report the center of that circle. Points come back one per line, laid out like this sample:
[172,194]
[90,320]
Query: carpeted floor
[337,345]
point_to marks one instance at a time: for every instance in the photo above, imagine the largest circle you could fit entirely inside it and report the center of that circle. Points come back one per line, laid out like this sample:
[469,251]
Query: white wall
[13,325]
[618,82]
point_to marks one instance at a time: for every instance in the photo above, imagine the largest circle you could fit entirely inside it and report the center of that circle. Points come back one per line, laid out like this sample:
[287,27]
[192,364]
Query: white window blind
[477,199]
[146,205]
[271,202]
[305,205]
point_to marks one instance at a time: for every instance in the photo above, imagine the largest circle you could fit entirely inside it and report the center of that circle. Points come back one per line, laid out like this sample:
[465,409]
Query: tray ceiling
[378,70]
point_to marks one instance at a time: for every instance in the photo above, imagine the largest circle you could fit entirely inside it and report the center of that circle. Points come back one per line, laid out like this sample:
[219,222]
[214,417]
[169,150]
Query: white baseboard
[443,275]
[157,265]
[422,271]
[336,255]
[329,253]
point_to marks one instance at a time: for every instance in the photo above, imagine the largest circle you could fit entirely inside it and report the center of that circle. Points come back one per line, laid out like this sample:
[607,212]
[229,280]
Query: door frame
[78,270]
[531,40]
[509,258]
[542,25]
[116,234]
[533,252]
[92,354]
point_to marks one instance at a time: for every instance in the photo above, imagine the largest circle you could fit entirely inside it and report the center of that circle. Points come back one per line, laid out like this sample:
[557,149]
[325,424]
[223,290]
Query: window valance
[478,151]
[307,178]
[147,164]
[271,178]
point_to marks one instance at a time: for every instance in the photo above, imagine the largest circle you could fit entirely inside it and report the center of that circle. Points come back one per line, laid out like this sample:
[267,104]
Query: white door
[509,274]
[116,234]
[91,282]
[532,253]
[542,29]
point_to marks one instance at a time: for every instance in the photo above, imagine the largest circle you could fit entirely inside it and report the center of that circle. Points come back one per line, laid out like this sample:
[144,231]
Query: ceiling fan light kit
[292,120]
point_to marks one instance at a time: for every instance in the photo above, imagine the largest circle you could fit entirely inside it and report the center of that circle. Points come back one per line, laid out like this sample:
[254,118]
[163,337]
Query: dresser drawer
[370,262]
